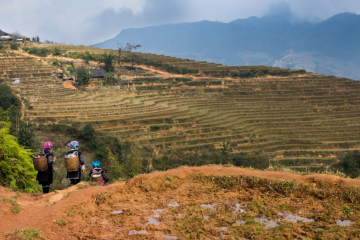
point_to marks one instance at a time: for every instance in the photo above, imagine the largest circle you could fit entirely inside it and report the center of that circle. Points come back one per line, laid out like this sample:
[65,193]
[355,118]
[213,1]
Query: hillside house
[97,73]
[5,36]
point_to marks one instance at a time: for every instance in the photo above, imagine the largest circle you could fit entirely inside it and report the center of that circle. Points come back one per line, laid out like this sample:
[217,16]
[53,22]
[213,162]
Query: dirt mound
[208,202]
[68,84]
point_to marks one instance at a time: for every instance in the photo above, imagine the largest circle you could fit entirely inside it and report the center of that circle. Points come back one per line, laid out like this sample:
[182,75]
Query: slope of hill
[209,202]
[331,45]
[303,121]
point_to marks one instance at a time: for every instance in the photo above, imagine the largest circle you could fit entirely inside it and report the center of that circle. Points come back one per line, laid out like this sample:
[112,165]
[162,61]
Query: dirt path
[84,211]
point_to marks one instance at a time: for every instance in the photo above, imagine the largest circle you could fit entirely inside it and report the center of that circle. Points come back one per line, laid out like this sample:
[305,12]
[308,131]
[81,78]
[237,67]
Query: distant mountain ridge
[330,47]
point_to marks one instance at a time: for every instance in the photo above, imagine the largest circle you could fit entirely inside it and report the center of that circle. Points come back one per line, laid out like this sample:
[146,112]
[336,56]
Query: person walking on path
[45,178]
[98,173]
[75,177]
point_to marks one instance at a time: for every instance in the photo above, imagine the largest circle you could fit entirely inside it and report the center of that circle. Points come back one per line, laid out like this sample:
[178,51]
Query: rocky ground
[210,202]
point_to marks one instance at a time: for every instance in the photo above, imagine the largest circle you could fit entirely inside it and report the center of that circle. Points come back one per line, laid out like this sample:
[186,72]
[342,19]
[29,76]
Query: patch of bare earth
[209,202]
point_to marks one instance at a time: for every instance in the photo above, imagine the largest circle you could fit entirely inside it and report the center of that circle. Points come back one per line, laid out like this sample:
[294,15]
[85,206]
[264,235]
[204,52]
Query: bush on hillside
[107,59]
[87,133]
[7,98]
[257,160]
[14,46]
[42,52]
[26,135]
[132,165]
[16,169]
[20,129]
[56,51]
[350,164]
[83,76]
[1,46]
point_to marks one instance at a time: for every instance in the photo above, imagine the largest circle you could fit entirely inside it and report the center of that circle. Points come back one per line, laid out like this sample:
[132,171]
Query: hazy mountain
[330,47]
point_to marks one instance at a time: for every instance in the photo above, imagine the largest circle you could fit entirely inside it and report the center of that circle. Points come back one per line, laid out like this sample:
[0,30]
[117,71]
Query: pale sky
[91,21]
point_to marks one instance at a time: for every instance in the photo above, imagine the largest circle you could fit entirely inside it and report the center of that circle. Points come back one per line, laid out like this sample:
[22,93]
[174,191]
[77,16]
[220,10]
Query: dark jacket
[46,177]
[99,170]
[76,174]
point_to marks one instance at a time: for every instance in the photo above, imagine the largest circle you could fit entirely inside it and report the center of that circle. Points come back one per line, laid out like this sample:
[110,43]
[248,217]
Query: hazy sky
[92,21]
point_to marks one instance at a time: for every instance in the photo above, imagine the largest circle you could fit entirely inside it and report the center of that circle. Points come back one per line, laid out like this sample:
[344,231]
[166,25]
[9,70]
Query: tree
[107,59]
[16,170]
[132,165]
[35,39]
[7,98]
[133,57]
[120,49]
[87,133]
[26,136]
[83,76]
[17,35]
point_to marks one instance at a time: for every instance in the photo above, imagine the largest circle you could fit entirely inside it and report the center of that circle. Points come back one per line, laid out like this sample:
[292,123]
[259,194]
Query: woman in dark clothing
[75,177]
[97,170]
[45,178]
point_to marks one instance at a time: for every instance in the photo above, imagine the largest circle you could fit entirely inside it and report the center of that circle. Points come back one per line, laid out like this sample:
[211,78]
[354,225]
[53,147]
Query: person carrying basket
[45,177]
[97,174]
[75,174]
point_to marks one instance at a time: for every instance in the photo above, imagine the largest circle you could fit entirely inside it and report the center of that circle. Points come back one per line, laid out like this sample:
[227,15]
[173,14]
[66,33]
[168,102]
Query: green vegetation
[20,129]
[350,164]
[83,75]
[16,169]
[56,51]
[15,206]
[257,160]
[25,235]
[61,223]
[107,59]
[42,52]
[119,159]
[1,46]
[7,98]
[14,46]
[216,117]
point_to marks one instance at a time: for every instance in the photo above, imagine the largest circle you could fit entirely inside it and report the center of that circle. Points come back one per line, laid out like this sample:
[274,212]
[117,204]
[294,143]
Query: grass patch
[61,223]
[25,235]
[15,206]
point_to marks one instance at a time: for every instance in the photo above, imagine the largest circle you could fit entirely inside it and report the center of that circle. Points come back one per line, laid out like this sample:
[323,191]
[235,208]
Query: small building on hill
[5,36]
[97,73]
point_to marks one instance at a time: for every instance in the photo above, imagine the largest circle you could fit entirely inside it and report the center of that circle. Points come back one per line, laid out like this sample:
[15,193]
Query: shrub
[83,75]
[154,128]
[87,133]
[1,46]
[257,160]
[56,51]
[14,46]
[132,165]
[350,164]
[26,136]
[42,52]
[16,170]
[169,120]
[107,59]
[7,98]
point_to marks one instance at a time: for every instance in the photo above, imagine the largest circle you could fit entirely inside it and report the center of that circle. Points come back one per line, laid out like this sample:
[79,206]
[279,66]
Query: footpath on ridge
[190,202]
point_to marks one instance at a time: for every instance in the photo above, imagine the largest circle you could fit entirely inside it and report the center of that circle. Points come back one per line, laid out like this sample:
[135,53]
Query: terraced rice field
[302,121]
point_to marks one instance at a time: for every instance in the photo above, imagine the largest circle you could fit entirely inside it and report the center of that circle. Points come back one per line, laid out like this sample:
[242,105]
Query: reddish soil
[68,84]
[168,205]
